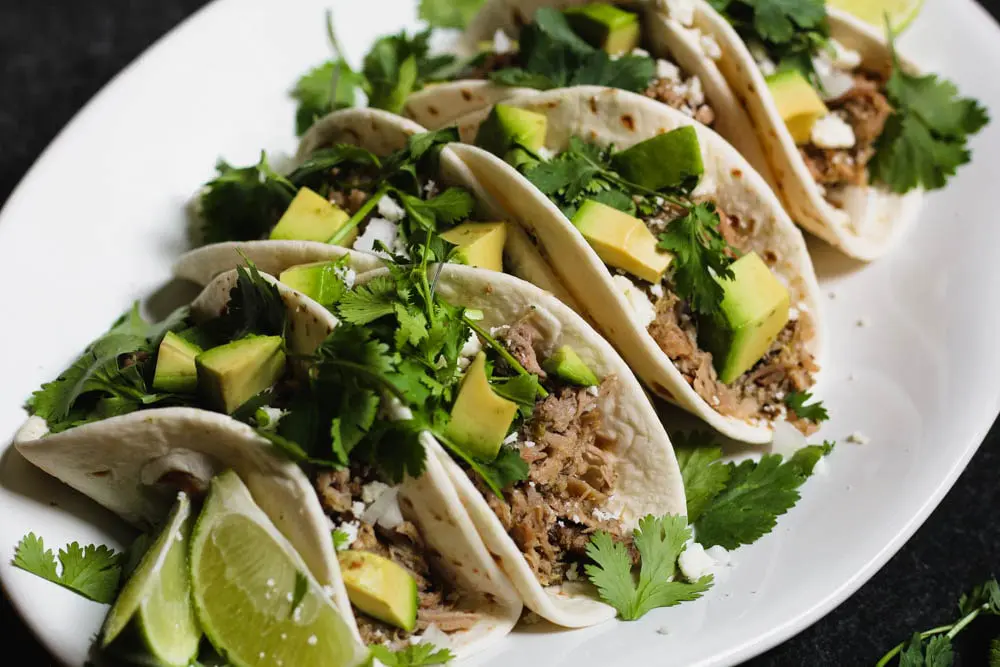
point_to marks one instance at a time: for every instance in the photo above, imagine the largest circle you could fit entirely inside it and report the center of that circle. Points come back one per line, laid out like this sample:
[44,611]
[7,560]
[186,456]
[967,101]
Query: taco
[672,243]
[529,45]
[365,179]
[545,432]
[225,387]
[839,114]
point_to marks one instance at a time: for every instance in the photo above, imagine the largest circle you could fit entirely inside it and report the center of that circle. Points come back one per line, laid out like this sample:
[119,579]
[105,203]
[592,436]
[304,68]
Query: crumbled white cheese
[842,57]
[502,43]
[390,210]
[357,508]
[681,11]
[793,313]
[511,438]
[472,346]
[643,53]
[546,153]
[495,331]
[832,131]
[529,443]
[710,47]
[719,554]
[371,491]
[429,186]
[833,82]
[858,438]
[695,563]
[593,390]
[641,306]
[656,289]
[347,275]
[759,54]
[667,70]
[604,515]
[378,229]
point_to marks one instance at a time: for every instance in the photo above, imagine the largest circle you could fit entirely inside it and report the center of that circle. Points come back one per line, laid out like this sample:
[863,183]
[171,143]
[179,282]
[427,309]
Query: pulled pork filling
[866,109]
[760,392]
[340,491]
[552,515]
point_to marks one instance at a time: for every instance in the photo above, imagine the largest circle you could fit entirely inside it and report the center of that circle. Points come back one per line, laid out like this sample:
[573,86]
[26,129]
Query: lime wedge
[155,604]
[901,12]
[254,595]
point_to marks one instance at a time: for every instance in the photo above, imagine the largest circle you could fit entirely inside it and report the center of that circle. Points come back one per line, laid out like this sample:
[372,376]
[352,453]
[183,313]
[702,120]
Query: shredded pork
[682,97]
[866,109]
[338,491]
[552,515]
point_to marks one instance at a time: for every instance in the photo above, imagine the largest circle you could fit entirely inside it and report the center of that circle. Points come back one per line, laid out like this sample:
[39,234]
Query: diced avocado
[621,240]
[508,127]
[175,369]
[518,158]
[605,26]
[798,103]
[568,365]
[480,417]
[380,588]
[320,281]
[311,217]
[667,160]
[754,311]
[232,374]
[479,243]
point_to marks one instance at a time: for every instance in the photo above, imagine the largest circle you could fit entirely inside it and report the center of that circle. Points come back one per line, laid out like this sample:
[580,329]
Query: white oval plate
[913,364]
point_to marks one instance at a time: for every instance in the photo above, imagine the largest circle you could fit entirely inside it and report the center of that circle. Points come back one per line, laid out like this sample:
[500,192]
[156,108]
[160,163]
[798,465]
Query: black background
[55,55]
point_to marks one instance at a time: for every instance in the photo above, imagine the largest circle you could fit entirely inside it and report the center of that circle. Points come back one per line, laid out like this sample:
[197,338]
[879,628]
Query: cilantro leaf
[399,64]
[315,94]
[925,140]
[243,203]
[448,208]
[699,257]
[660,542]
[367,303]
[320,162]
[415,655]
[814,412]
[255,307]
[341,540]
[448,13]
[704,475]
[92,571]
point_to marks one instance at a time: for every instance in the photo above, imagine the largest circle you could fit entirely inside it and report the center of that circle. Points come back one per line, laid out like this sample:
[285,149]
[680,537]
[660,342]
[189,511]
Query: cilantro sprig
[701,256]
[933,648]
[732,504]
[925,140]
[660,542]
[416,655]
[448,13]
[798,403]
[91,571]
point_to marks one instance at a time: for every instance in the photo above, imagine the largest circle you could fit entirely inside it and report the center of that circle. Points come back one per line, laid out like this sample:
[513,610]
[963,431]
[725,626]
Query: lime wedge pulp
[901,12]
[254,596]
[156,599]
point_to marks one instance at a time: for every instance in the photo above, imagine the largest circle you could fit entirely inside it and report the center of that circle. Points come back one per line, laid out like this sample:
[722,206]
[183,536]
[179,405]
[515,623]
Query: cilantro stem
[950,630]
[502,351]
[358,217]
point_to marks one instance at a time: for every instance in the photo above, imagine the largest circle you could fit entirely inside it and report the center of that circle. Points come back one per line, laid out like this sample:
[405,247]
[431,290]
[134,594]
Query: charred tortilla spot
[593,104]
[629,122]
[737,173]
[432,110]
[770,257]
[492,599]
[466,95]
[100,473]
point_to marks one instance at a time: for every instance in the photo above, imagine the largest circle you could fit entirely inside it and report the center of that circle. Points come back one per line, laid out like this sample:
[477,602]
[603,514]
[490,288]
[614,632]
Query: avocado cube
[668,160]
[310,217]
[509,127]
[320,281]
[798,103]
[605,27]
[621,240]
[230,375]
[754,311]
[480,418]
[380,588]
[480,244]
[568,365]
[175,367]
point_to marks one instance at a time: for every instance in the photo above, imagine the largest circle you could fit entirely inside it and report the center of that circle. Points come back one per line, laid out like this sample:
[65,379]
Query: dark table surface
[55,55]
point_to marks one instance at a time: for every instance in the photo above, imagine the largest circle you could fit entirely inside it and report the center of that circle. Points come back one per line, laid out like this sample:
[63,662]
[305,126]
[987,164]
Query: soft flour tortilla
[871,219]
[381,133]
[118,462]
[610,116]
[664,36]
[649,480]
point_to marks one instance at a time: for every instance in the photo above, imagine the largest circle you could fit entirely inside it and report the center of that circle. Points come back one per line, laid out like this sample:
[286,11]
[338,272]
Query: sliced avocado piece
[621,240]
[754,311]
[508,127]
[479,244]
[380,588]
[310,217]
[232,374]
[175,369]
[798,103]
[480,417]
[668,160]
[520,159]
[320,281]
[568,365]
[605,27]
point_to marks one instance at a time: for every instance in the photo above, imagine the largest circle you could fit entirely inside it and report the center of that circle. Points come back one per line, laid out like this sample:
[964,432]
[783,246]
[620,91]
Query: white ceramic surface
[99,219]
